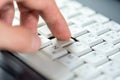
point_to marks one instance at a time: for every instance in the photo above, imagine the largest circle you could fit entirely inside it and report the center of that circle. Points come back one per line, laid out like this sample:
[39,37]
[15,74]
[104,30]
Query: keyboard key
[44,41]
[78,48]
[15,22]
[104,77]
[71,61]
[62,43]
[82,20]
[97,29]
[76,30]
[100,18]
[95,59]
[87,11]
[90,39]
[41,22]
[111,68]
[105,49]
[111,37]
[86,72]
[115,57]
[44,31]
[54,51]
[113,26]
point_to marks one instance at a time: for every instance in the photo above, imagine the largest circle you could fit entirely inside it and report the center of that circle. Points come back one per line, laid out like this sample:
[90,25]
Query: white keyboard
[93,52]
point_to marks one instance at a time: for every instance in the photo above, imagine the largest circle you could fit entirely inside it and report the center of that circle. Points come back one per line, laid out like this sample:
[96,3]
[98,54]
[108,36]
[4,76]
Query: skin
[24,38]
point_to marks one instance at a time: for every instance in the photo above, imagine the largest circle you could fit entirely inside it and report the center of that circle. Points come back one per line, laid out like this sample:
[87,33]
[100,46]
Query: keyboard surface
[92,53]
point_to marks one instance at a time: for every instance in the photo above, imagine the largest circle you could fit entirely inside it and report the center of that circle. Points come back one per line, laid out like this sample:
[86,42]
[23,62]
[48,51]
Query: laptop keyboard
[92,53]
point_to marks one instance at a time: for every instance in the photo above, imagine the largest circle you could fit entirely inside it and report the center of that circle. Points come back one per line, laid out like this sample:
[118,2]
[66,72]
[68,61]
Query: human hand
[24,38]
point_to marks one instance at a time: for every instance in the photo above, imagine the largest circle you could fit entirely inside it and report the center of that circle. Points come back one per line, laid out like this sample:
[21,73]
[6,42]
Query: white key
[104,77]
[54,51]
[71,61]
[17,14]
[86,72]
[74,5]
[44,41]
[111,68]
[115,57]
[82,20]
[113,25]
[15,22]
[41,22]
[76,30]
[94,58]
[87,11]
[105,49]
[62,43]
[117,78]
[97,29]
[90,39]
[100,18]
[44,31]
[111,37]
[78,48]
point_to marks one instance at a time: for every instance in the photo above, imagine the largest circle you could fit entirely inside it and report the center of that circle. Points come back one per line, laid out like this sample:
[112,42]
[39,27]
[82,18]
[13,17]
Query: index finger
[52,16]
[55,21]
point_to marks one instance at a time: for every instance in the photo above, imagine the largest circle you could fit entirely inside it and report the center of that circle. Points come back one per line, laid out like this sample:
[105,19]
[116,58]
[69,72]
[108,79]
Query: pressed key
[95,58]
[105,49]
[90,39]
[44,31]
[44,41]
[71,61]
[76,30]
[97,29]
[54,51]
[111,37]
[78,48]
[62,43]
[113,26]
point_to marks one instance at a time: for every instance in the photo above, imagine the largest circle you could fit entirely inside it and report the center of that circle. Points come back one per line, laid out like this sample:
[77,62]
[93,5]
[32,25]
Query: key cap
[76,30]
[15,22]
[44,41]
[82,20]
[105,49]
[44,31]
[104,77]
[113,26]
[115,57]
[41,22]
[86,72]
[97,29]
[99,18]
[87,11]
[94,58]
[111,68]
[118,78]
[90,39]
[54,51]
[62,43]
[111,37]
[78,48]
[71,61]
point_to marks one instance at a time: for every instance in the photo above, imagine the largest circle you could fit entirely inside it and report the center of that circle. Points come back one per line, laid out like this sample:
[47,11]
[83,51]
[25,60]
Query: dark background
[109,8]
